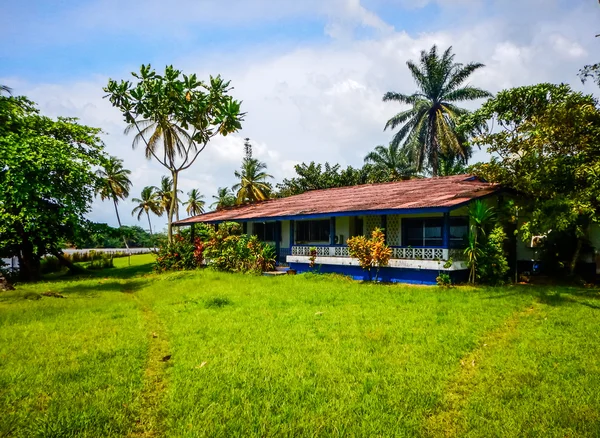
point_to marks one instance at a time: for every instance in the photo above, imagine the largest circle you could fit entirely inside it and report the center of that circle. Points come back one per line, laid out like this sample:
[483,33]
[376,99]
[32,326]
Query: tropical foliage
[253,185]
[314,176]
[223,199]
[113,182]
[47,182]
[175,116]
[371,253]
[224,249]
[164,195]
[427,131]
[391,162]
[195,203]
[148,203]
[547,150]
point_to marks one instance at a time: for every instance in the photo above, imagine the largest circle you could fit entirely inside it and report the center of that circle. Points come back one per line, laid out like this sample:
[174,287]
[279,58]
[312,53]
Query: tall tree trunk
[172,208]
[119,221]
[29,263]
[149,223]
[573,263]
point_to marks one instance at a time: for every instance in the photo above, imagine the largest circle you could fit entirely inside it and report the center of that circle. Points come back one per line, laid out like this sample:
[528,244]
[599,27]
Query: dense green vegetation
[203,353]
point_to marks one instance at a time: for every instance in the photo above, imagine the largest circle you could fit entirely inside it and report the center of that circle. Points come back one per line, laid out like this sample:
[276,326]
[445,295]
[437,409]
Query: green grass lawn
[131,353]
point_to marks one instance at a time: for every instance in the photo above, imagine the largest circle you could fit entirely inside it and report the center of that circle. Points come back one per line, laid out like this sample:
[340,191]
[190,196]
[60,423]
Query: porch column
[332,231]
[384,226]
[277,239]
[446,231]
[292,235]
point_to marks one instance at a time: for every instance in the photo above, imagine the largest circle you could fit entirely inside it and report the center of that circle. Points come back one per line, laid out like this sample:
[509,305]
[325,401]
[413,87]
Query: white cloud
[323,102]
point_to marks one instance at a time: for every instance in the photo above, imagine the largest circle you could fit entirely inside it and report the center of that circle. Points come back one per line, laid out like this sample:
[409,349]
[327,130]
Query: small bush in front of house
[371,253]
[180,255]
[443,280]
[230,250]
[225,249]
[492,267]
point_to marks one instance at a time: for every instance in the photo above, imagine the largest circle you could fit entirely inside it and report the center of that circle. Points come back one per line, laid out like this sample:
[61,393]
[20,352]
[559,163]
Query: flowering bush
[371,253]
[225,249]
[179,255]
[230,250]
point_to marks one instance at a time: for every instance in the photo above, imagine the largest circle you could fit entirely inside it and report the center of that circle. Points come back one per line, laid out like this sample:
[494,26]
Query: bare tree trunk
[149,223]
[73,269]
[119,221]
[172,207]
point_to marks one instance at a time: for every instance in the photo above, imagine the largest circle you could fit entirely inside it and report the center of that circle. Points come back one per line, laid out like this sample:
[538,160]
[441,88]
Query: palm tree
[113,182]
[252,186]
[164,193]
[391,161]
[223,199]
[175,141]
[195,204]
[429,127]
[5,89]
[148,202]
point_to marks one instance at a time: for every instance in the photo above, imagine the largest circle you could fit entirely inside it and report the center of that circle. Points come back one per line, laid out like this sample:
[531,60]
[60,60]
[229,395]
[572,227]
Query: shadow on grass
[108,285]
[555,295]
[118,273]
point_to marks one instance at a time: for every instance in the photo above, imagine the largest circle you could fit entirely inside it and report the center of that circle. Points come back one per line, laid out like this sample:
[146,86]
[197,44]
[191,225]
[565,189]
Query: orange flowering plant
[371,253]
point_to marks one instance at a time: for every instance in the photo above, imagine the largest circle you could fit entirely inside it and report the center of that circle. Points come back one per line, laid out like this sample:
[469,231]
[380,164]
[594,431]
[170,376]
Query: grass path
[448,420]
[151,407]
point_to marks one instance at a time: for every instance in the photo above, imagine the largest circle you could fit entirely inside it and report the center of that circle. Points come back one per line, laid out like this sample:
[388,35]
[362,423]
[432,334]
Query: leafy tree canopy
[175,116]
[546,147]
[314,176]
[47,181]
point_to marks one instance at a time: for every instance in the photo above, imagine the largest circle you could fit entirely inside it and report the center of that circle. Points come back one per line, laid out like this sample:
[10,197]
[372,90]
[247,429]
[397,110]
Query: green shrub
[444,280]
[179,255]
[50,264]
[101,261]
[224,249]
[229,250]
[492,266]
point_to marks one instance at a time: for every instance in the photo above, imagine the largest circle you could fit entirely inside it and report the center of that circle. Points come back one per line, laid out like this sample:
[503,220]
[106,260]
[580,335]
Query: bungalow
[425,222]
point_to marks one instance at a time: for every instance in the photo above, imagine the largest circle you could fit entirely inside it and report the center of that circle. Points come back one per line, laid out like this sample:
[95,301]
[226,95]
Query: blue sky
[311,73]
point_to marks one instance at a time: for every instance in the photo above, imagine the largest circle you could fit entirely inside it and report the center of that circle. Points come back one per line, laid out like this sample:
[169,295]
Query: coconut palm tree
[252,186]
[195,203]
[164,193]
[428,129]
[113,182]
[391,161]
[163,133]
[5,89]
[148,202]
[224,198]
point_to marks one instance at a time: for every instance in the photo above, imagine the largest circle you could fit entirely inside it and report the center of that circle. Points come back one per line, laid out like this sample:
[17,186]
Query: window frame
[304,226]
[406,223]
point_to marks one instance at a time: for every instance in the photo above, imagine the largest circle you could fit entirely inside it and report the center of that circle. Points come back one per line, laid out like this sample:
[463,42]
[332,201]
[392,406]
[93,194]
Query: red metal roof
[441,192]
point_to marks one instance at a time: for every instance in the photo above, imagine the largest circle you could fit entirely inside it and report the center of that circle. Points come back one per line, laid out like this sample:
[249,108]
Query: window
[312,231]
[459,232]
[265,231]
[356,226]
[423,232]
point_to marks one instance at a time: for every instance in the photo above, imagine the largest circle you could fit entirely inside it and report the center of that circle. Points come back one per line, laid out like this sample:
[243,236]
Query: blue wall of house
[390,275]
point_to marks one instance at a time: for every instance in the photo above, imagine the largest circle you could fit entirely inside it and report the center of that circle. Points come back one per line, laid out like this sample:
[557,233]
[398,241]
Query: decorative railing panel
[437,254]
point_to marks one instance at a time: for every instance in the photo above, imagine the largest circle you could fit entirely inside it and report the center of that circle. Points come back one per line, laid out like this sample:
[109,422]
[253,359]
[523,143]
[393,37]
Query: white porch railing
[397,253]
